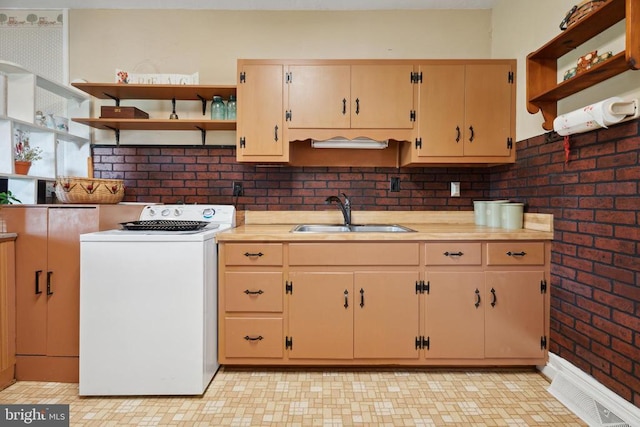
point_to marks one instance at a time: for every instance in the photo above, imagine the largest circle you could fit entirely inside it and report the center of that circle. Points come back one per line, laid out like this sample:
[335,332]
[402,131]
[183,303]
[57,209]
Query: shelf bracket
[117,131]
[203,134]
[115,98]
[204,104]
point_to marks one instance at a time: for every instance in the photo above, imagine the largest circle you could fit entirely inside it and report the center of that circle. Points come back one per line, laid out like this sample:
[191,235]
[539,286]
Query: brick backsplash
[595,272]
[595,265]
[205,175]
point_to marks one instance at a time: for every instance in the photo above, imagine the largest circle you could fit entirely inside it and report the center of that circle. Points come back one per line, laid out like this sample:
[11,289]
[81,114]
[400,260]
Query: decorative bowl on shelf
[89,190]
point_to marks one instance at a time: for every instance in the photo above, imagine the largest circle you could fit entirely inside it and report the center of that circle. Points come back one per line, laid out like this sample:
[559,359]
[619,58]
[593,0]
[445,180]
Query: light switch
[455,189]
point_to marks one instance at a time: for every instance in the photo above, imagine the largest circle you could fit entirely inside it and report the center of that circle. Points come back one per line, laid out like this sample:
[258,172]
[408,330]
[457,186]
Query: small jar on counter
[218,110]
[232,108]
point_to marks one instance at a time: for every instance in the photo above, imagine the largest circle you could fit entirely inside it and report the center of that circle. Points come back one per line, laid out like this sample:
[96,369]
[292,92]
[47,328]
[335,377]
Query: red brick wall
[595,274]
[595,292]
[205,175]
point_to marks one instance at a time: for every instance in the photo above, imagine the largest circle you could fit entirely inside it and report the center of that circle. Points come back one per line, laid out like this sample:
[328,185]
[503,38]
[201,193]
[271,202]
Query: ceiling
[250,4]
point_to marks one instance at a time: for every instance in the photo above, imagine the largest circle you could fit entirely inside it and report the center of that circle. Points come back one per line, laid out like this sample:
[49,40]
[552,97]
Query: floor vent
[589,409]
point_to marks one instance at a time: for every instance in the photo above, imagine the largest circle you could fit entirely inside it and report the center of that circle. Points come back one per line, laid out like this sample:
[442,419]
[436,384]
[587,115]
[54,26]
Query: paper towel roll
[601,114]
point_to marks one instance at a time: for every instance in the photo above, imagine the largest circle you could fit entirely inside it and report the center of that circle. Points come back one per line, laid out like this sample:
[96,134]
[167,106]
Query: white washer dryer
[148,302]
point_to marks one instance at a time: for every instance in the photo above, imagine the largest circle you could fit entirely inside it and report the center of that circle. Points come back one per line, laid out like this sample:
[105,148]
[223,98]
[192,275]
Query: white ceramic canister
[512,215]
[480,212]
[494,215]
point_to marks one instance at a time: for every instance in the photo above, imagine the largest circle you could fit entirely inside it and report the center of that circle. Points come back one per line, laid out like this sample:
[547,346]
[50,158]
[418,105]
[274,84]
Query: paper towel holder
[627,108]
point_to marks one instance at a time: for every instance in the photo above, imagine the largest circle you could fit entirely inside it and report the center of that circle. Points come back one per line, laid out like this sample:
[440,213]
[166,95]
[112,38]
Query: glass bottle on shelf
[218,110]
[231,108]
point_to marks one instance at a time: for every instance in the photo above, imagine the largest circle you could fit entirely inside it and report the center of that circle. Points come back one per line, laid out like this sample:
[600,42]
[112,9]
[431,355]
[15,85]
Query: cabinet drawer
[253,337]
[259,291]
[332,254]
[454,253]
[515,253]
[253,254]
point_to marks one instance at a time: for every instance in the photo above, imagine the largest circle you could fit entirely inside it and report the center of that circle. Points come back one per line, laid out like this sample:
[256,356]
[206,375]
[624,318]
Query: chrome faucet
[345,207]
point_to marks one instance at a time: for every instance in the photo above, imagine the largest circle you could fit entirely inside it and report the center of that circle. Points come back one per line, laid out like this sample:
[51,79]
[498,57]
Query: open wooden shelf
[543,89]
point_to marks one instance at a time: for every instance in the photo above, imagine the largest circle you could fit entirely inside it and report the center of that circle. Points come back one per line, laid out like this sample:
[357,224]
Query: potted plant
[7,198]
[24,154]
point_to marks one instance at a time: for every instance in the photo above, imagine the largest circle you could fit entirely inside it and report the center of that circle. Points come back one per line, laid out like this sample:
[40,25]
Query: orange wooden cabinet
[466,113]
[261,133]
[48,283]
[384,303]
[489,312]
[7,312]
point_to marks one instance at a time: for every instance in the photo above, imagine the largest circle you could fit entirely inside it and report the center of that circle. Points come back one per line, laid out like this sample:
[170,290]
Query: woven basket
[89,190]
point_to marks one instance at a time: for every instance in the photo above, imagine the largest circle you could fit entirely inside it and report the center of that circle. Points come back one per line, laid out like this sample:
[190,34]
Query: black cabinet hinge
[242,142]
[510,77]
[422,343]
[509,143]
[418,142]
[288,343]
[543,286]
[288,78]
[288,287]
[412,115]
[543,342]
[416,77]
[422,287]
[243,77]
[287,115]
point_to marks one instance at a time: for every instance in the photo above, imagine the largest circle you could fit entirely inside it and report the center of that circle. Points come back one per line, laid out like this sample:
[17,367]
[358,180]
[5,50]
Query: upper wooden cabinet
[466,114]
[261,134]
[419,106]
[543,88]
[343,96]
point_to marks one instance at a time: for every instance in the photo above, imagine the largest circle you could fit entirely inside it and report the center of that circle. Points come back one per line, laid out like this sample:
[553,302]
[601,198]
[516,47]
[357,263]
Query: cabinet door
[488,97]
[514,316]
[381,96]
[260,112]
[321,315]
[319,96]
[455,315]
[441,111]
[386,319]
[31,272]
[63,249]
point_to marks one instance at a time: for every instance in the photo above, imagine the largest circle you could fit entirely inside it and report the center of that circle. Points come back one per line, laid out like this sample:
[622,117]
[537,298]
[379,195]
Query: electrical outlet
[238,190]
[455,189]
[395,184]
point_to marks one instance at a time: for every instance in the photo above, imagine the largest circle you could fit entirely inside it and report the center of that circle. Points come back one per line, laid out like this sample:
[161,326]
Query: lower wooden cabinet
[7,312]
[48,283]
[383,303]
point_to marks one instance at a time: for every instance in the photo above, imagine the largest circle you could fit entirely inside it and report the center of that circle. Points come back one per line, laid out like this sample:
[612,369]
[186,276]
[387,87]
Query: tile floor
[330,397]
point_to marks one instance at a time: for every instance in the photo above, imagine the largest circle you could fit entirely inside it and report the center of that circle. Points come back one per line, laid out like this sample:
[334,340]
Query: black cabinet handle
[357,105]
[344,106]
[453,253]
[38,291]
[477,304]
[258,292]
[49,274]
[249,254]
[258,338]
[346,299]
[494,299]
[458,134]
[275,137]
[523,253]
[361,298]
[471,130]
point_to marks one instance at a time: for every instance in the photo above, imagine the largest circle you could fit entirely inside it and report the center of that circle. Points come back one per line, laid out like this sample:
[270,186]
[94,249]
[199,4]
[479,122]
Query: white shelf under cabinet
[63,153]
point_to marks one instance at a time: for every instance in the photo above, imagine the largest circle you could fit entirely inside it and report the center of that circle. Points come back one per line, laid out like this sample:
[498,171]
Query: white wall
[210,42]
[207,41]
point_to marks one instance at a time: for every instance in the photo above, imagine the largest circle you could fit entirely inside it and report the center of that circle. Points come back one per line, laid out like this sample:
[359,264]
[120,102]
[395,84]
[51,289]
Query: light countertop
[428,225]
